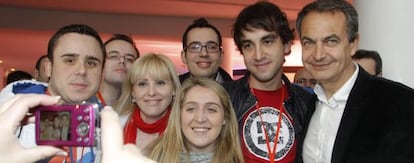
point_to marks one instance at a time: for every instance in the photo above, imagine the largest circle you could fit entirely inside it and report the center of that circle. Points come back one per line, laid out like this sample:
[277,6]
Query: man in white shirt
[357,117]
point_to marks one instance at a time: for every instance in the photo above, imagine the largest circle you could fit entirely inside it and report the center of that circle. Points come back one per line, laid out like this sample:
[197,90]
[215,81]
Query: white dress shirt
[324,124]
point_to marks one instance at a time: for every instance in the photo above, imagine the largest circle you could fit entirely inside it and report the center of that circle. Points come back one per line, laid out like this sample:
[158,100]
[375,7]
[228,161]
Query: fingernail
[61,153]
[108,108]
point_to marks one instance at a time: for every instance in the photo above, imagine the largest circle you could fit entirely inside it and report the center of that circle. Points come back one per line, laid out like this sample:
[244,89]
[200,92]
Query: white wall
[387,27]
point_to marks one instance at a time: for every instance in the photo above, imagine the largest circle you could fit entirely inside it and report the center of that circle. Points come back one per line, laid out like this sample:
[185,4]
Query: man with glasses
[202,52]
[121,53]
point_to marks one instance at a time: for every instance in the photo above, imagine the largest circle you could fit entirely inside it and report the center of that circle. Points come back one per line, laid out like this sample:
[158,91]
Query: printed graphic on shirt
[254,135]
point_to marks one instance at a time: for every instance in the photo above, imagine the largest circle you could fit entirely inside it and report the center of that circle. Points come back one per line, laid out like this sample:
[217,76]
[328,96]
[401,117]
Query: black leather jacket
[243,100]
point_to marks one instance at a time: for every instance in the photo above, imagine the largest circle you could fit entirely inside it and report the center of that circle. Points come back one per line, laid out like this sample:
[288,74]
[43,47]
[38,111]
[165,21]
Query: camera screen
[55,125]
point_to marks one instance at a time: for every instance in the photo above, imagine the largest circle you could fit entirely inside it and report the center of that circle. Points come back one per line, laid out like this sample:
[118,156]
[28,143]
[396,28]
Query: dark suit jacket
[377,124]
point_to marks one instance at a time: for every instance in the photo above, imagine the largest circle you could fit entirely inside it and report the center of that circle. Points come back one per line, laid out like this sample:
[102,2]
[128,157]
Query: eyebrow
[212,42]
[93,58]
[332,36]
[245,41]
[270,36]
[69,55]
[132,55]
[117,52]
[325,38]
[194,42]
[265,37]
[306,38]
[208,103]
[141,79]
[113,51]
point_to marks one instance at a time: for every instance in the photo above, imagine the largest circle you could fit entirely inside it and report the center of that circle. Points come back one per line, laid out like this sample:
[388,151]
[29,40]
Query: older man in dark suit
[357,117]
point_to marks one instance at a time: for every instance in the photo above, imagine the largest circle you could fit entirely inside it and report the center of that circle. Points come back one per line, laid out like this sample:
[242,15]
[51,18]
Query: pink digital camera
[66,125]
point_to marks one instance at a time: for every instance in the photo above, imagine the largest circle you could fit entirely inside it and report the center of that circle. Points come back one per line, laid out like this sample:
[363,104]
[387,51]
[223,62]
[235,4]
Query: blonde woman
[202,127]
[146,99]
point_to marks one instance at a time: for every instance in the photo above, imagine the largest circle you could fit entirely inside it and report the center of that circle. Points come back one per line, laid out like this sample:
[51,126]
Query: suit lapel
[351,117]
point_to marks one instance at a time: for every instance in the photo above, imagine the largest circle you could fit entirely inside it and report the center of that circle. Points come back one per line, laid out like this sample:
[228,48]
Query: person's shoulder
[223,73]
[21,86]
[300,91]
[183,77]
[379,86]
[391,86]
[28,86]
[229,85]
[374,87]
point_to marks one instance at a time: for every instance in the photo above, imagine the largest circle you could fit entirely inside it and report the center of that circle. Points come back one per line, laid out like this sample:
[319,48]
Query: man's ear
[221,56]
[36,74]
[49,69]
[287,48]
[354,45]
[183,58]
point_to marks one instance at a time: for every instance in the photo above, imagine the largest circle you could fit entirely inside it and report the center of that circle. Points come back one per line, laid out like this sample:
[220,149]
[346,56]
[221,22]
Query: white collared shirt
[323,127]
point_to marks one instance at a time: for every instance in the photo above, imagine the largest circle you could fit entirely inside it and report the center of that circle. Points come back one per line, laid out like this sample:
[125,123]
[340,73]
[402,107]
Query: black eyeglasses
[117,57]
[196,47]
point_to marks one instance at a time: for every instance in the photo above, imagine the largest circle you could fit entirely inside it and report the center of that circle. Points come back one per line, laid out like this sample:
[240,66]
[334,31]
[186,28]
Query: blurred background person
[304,79]
[17,75]
[20,81]
[42,71]
[369,60]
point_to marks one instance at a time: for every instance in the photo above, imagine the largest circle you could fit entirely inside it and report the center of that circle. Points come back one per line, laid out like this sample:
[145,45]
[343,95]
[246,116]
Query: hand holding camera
[12,113]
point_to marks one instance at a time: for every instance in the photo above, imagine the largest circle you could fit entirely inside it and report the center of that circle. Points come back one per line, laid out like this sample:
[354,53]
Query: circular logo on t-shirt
[254,134]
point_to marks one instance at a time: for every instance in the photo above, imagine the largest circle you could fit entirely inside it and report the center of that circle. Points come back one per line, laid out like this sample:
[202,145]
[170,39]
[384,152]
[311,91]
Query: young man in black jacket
[270,109]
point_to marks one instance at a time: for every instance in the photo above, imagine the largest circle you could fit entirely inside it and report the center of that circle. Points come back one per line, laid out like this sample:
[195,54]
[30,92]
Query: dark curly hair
[201,23]
[262,15]
[74,28]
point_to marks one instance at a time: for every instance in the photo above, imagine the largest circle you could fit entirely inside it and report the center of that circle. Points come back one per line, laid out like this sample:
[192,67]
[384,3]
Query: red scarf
[136,122]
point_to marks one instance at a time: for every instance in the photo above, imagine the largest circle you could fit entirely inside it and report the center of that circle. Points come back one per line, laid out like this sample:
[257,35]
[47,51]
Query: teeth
[153,102]
[200,129]
[204,65]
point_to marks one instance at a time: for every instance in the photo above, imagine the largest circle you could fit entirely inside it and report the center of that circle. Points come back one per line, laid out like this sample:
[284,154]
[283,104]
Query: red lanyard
[47,92]
[272,153]
[101,98]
